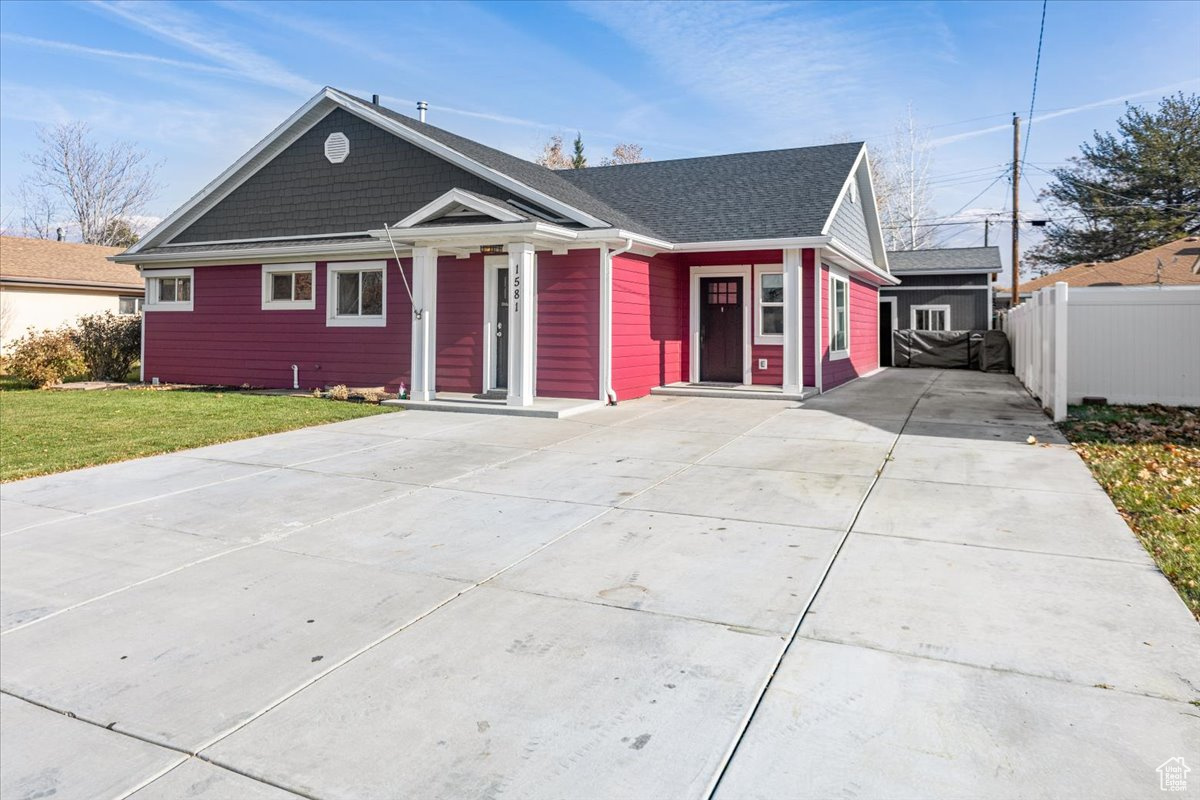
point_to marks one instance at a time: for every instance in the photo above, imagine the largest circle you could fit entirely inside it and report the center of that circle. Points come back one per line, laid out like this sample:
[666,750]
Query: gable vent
[337,147]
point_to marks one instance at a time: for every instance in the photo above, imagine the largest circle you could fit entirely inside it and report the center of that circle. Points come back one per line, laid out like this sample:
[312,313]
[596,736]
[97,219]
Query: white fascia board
[265,239]
[752,244]
[491,232]
[365,111]
[271,139]
[458,197]
[619,236]
[848,259]
[257,256]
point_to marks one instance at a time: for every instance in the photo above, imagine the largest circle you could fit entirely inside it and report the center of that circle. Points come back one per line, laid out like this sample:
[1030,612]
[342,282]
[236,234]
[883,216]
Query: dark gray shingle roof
[947,259]
[768,194]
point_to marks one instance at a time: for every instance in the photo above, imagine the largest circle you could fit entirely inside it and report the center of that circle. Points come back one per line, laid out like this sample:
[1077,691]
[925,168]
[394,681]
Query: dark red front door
[721,330]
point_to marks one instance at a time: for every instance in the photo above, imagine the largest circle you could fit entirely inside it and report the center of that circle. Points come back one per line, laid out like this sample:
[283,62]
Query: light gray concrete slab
[958,434]
[595,479]
[416,461]
[400,424]
[1021,411]
[830,457]
[746,574]
[848,722]
[182,659]
[53,566]
[50,755]
[293,447]
[195,779]
[528,433]
[1074,619]
[504,693]
[1053,467]
[806,423]
[112,485]
[626,410]
[264,505]
[786,498]
[16,516]
[463,535]
[724,416]
[1067,523]
[663,445]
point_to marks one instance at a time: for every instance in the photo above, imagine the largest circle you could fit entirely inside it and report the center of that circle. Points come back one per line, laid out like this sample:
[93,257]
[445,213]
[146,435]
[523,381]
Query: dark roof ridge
[780,150]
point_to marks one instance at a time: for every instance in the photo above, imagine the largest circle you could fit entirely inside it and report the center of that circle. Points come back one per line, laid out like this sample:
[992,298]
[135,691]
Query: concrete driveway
[882,593]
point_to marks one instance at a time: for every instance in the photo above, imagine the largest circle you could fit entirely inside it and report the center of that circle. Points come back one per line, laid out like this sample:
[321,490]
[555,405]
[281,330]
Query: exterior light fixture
[492,249]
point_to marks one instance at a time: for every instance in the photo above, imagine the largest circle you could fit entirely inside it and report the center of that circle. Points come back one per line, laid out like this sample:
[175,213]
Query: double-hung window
[288,286]
[168,290]
[839,316]
[769,328]
[930,318]
[357,294]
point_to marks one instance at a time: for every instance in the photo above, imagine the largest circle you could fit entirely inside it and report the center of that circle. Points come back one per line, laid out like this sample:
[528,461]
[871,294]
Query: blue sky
[198,83]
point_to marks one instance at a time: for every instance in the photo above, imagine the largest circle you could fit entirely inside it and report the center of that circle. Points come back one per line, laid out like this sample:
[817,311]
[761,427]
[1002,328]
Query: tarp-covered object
[986,350]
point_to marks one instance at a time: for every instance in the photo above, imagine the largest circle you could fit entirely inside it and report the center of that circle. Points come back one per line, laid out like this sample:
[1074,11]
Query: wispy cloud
[179,27]
[118,55]
[1063,112]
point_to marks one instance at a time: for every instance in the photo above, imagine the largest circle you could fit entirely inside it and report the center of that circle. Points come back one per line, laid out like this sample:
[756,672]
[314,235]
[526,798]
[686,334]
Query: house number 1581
[516,293]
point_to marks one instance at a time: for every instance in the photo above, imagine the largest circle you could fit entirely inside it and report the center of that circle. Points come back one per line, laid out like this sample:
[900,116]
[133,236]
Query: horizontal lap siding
[460,325]
[649,324]
[864,334]
[228,339]
[568,324]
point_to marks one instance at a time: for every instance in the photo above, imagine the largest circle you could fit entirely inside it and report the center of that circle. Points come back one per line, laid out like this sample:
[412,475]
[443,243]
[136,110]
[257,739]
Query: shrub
[109,344]
[41,358]
[339,392]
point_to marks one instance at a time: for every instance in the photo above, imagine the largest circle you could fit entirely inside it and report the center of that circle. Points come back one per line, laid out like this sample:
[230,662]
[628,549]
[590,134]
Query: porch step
[739,392]
[544,407]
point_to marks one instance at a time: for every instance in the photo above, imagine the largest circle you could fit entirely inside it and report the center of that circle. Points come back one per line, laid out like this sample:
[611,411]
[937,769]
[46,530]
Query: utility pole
[1016,214]
[987,223]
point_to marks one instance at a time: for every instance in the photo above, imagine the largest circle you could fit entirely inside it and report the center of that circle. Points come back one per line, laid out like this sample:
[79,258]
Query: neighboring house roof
[1180,260]
[64,264]
[764,195]
[945,259]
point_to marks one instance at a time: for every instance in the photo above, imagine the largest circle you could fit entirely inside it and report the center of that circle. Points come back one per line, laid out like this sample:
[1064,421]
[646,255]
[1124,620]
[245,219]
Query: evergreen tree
[579,160]
[1129,191]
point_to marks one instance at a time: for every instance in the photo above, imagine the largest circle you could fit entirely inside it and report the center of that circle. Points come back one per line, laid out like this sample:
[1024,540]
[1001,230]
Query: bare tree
[902,191]
[552,155]
[97,184]
[39,210]
[625,153]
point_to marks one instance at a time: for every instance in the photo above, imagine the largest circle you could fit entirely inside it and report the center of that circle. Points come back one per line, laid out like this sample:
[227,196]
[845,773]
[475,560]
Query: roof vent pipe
[59,233]
[422,107]
[374,99]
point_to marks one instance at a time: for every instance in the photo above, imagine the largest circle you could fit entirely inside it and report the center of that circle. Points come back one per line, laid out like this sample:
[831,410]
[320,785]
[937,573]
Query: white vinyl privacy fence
[1128,345]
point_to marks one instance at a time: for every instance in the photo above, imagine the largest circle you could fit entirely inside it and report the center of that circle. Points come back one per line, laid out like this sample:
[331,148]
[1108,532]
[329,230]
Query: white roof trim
[848,259]
[291,129]
[457,197]
[489,233]
[867,201]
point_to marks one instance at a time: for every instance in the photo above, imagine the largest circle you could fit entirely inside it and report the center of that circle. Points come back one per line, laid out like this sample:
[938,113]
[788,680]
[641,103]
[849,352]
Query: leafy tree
[625,153]
[1127,191]
[579,160]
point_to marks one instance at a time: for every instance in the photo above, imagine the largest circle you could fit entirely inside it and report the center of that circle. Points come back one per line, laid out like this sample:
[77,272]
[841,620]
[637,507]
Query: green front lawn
[1148,460]
[52,431]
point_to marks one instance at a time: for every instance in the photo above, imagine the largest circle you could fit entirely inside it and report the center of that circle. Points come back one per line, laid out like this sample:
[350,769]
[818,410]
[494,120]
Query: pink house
[359,246]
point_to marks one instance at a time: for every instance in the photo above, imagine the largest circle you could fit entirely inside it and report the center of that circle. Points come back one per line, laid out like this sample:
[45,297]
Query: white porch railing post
[793,314]
[522,287]
[1058,392]
[424,322]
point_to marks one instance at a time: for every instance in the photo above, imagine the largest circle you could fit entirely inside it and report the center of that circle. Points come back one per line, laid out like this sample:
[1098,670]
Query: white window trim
[332,320]
[912,315]
[138,304]
[270,270]
[759,271]
[838,355]
[152,302]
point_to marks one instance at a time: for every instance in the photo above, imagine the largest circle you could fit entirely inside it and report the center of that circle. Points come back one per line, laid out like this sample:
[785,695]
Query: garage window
[930,318]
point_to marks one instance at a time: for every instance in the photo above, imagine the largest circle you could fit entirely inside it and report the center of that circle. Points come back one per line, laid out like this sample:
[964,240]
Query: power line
[1037,65]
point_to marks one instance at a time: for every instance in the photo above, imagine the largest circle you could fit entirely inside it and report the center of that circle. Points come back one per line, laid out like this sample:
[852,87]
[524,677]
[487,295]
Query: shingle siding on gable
[850,227]
[299,192]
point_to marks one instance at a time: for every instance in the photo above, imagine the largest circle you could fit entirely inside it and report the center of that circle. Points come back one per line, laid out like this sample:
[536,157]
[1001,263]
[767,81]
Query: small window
[930,318]
[168,290]
[357,293]
[770,308]
[129,305]
[288,286]
[839,317]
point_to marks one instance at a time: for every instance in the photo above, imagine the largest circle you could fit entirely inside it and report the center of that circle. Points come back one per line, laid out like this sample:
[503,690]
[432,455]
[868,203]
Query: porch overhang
[473,235]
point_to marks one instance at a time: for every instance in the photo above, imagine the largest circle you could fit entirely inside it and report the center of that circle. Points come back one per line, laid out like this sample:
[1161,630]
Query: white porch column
[793,317]
[424,322]
[522,286]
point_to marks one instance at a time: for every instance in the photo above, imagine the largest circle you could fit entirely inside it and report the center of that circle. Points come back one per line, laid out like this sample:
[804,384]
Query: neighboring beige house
[44,284]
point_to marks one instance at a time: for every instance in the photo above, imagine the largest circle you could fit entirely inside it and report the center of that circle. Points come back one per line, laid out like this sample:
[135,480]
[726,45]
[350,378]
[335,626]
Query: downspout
[608,394]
